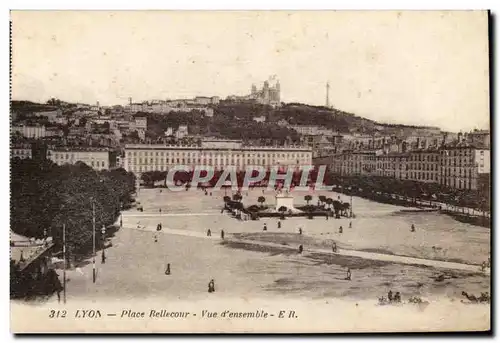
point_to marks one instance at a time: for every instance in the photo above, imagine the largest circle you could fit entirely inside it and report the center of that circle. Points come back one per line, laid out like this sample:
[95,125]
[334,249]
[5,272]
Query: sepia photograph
[250,171]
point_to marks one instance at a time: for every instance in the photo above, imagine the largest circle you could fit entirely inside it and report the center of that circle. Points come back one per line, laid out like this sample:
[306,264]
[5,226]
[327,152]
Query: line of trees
[376,187]
[44,196]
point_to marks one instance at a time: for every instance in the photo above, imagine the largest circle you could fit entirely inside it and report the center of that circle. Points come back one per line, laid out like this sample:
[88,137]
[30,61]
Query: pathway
[344,252]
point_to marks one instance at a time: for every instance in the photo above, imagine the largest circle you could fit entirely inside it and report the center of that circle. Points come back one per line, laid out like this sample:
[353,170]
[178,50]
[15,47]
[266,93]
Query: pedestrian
[327,216]
[334,247]
[222,211]
[389,295]
[265,227]
[209,233]
[350,225]
[55,283]
[211,286]
[301,248]
[167,271]
[412,228]
[160,210]
[222,234]
[340,229]
[300,231]
[279,224]
[156,239]
[348,276]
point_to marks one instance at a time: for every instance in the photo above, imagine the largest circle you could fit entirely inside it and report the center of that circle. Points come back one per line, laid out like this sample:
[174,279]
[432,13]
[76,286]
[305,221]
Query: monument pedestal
[284,200]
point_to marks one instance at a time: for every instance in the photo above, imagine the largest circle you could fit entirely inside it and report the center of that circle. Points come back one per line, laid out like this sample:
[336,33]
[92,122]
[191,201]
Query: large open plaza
[136,262]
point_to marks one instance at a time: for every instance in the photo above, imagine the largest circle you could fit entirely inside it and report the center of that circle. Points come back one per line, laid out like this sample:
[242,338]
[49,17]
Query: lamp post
[103,233]
[64,263]
[93,241]
[121,215]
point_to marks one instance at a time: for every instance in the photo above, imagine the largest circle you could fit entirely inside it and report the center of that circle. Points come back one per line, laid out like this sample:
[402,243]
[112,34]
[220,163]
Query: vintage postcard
[249,171]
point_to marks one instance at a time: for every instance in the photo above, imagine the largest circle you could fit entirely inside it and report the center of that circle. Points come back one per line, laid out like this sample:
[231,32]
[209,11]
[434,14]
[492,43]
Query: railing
[35,255]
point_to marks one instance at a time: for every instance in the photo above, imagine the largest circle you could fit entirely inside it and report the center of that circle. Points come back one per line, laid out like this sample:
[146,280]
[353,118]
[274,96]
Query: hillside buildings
[29,131]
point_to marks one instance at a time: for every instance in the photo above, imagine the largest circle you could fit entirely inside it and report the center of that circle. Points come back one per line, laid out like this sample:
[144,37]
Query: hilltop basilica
[267,95]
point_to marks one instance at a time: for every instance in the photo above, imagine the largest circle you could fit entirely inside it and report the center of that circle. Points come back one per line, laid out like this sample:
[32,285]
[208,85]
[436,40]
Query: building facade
[97,158]
[140,158]
[267,95]
[21,151]
[424,166]
[30,131]
[461,165]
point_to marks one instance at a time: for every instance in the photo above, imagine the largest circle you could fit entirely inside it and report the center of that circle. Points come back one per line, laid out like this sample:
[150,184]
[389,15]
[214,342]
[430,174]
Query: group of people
[391,297]
[222,233]
[486,264]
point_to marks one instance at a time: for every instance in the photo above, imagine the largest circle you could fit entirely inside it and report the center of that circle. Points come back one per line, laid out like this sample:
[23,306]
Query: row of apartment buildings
[96,157]
[139,158]
[457,166]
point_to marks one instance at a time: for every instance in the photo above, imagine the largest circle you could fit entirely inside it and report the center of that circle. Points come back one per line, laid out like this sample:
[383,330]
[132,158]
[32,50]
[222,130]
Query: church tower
[265,90]
[254,89]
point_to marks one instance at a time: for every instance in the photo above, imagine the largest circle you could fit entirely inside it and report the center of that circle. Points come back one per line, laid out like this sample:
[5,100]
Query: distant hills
[242,114]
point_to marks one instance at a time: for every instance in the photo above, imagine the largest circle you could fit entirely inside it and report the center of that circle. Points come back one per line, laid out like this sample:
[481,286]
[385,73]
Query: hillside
[236,120]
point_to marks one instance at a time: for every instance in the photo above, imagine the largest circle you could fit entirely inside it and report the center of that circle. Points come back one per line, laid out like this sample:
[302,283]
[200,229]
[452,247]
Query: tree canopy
[46,196]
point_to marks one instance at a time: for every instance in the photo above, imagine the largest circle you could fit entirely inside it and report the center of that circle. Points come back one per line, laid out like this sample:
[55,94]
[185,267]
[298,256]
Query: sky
[410,67]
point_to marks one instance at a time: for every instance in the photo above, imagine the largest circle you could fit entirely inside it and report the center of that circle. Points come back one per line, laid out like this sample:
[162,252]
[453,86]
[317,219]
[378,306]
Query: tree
[337,207]
[308,198]
[46,196]
[329,202]
[322,199]
[261,200]
[345,208]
